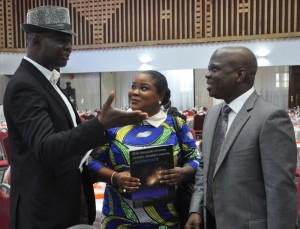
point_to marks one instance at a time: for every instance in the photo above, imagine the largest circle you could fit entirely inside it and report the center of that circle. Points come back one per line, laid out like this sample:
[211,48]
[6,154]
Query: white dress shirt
[53,77]
[155,120]
[236,106]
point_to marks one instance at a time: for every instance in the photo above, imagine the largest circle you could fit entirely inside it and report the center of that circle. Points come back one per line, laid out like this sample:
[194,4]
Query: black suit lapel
[47,86]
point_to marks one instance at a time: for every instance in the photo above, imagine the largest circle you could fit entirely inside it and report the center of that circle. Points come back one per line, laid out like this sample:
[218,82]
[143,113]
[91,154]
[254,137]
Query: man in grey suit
[252,185]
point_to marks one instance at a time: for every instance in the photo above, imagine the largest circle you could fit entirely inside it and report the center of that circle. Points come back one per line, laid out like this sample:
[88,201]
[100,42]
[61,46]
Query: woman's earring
[159,102]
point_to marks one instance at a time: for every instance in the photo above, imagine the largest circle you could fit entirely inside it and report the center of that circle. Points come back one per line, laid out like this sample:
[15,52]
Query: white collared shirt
[53,78]
[155,120]
[236,106]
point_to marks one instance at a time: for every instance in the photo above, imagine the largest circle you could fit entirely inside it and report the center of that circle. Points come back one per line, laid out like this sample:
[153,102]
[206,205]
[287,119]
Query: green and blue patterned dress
[118,211]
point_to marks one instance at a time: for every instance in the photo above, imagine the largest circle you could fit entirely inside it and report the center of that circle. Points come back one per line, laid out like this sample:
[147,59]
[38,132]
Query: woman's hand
[172,176]
[177,175]
[126,182]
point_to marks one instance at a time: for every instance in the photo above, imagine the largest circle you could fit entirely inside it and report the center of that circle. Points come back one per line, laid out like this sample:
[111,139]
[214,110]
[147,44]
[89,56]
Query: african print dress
[118,210]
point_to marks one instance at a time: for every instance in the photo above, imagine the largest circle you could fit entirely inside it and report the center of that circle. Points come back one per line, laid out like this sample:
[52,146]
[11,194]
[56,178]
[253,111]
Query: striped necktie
[217,143]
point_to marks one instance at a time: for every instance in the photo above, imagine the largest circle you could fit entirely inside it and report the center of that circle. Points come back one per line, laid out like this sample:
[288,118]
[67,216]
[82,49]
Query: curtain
[272,84]
[181,84]
[87,90]
[123,84]
[202,98]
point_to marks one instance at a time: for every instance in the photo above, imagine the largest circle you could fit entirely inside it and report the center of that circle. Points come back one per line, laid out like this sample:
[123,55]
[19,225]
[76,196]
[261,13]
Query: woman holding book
[111,162]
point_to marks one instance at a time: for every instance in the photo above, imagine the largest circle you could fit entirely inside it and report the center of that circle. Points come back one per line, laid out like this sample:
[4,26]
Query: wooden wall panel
[2,25]
[128,23]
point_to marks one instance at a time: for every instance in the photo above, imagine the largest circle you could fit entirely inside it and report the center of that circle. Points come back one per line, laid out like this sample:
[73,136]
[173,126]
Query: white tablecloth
[98,189]
[190,122]
[298,156]
[297,133]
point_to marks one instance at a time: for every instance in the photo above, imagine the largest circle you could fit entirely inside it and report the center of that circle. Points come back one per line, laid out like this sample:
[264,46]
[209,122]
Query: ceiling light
[145,59]
[262,52]
[144,67]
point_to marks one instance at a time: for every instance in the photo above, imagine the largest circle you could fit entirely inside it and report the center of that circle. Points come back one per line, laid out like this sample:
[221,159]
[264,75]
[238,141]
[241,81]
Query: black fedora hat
[48,19]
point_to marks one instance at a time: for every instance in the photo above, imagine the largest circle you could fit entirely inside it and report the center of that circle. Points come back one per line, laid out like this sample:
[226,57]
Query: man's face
[55,49]
[221,77]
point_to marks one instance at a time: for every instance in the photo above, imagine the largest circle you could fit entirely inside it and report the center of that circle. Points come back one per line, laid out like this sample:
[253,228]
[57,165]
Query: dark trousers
[210,221]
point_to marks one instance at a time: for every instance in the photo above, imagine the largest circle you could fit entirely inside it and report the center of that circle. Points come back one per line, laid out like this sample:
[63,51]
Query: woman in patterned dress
[111,162]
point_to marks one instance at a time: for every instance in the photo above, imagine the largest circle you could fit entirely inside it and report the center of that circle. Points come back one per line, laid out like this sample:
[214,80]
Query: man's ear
[241,75]
[36,40]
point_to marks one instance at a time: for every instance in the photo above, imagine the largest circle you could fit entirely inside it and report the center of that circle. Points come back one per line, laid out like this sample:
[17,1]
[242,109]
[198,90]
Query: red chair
[6,147]
[190,113]
[198,125]
[4,205]
[3,167]
[5,153]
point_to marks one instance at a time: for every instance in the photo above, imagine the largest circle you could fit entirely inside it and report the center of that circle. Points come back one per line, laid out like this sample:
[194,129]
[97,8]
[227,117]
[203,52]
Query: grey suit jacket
[254,178]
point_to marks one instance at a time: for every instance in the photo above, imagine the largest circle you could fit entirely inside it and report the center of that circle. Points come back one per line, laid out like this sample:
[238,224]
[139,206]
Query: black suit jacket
[46,152]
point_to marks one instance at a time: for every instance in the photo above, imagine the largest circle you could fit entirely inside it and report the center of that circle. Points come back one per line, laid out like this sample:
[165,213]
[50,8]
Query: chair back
[190,113]
[198,122]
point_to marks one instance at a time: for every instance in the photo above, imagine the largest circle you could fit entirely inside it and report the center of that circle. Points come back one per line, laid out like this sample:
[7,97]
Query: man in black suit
[48,142]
